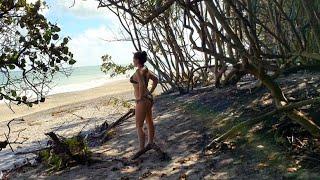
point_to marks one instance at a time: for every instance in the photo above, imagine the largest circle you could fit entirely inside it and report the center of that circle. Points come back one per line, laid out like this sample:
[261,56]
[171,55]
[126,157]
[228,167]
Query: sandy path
[65,114]
[181,137]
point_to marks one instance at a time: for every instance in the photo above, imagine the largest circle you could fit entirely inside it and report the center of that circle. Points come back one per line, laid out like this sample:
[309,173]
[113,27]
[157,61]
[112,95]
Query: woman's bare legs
[140,113]
[150,124]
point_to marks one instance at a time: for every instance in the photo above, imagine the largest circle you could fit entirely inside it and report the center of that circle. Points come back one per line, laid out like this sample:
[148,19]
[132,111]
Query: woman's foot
[149,146]
[138,153]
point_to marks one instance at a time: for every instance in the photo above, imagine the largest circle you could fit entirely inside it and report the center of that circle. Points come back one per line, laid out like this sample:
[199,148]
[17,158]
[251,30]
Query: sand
[66,114]
[176,133]
[69,113]
[116,87]
[184,125]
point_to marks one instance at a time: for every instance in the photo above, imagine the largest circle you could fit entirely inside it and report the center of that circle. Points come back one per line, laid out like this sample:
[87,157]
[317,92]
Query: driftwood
[59,147]
[104,127]
[163,155]
[126,116]
[32,151]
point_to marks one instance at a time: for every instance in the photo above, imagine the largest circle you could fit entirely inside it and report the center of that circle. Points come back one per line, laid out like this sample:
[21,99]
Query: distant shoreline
[60,99]
[82,78]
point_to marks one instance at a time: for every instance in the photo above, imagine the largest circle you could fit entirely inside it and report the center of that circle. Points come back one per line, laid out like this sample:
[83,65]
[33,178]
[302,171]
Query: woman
[144,98]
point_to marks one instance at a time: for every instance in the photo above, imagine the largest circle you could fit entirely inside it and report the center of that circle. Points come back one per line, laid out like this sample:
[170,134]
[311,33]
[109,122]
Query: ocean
[81,78]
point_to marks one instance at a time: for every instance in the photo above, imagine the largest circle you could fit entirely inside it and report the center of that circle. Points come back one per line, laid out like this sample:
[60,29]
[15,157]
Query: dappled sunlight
[230,89]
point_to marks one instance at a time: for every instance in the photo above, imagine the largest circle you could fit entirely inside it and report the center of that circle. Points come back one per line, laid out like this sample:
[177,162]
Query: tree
[31,52]
[108,66]
[261,38]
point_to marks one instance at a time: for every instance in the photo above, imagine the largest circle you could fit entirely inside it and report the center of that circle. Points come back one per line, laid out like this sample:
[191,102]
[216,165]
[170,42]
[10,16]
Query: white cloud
[85,9]
[81,8]
[89,46]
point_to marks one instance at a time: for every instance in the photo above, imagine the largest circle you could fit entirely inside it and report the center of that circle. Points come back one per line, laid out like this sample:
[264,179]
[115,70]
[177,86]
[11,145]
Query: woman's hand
[155,81]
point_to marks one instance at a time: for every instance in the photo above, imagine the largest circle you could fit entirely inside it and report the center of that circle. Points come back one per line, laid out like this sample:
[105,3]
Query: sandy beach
[184,125]
[66,114]
[67,120]
[56,100]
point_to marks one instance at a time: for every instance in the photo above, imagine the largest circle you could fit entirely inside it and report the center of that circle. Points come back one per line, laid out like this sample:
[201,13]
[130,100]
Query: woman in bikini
[144,98]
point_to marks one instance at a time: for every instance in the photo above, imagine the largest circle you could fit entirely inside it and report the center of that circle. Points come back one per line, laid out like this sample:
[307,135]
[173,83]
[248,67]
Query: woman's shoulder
[143,71]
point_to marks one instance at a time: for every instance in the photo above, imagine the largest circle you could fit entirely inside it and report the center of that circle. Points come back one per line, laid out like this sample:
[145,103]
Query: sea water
[80,78]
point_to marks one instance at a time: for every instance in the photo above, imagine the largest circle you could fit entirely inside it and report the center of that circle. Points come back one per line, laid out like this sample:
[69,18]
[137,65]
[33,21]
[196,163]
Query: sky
[89,27]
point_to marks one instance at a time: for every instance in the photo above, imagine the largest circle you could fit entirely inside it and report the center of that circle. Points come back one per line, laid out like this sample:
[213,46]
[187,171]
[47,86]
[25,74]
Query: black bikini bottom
[148,97]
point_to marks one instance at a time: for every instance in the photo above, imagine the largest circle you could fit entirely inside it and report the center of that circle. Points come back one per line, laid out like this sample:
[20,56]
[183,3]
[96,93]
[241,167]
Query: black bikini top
[135,82]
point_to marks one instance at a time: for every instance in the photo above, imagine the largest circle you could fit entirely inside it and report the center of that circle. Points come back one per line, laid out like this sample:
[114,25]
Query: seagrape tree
[31,52]
[108,66]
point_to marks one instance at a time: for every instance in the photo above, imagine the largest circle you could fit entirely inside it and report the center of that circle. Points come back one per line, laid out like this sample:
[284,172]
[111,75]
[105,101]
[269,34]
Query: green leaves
[65,50]
[108,66]
[11,66]
[33,48]
[47,36]
[13,93]
[55,37]
[55,28]
[72,61]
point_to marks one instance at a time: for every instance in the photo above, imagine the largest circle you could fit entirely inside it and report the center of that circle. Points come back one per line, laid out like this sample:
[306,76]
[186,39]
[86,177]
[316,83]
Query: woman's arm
[142,86]
[154,81]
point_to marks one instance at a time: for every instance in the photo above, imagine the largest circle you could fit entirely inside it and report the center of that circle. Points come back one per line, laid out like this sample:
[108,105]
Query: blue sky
[88,26]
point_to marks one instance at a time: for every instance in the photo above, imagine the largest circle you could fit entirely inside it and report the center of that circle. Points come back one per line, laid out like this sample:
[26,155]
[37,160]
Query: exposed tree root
[281,100]
[304,121]
[163,155]
[234,130]
[291,111]
[234,76]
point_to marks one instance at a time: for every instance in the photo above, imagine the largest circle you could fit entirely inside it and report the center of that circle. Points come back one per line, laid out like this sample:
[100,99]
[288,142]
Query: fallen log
[103,131]
[32,151]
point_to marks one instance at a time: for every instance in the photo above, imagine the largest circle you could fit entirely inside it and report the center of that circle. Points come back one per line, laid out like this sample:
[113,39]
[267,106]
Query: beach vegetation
[246,45]
[31,53]
[245,69]
[224,42]
[70,152]
[109,67]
